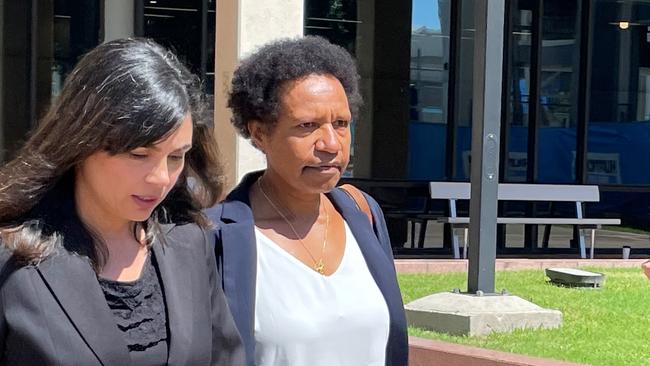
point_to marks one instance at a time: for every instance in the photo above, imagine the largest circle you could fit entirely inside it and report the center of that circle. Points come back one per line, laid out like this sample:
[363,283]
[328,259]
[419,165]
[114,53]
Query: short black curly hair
[259,77]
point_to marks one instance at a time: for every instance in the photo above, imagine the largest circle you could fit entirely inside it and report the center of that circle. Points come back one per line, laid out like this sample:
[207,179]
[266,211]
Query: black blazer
[237,262]
[55,313]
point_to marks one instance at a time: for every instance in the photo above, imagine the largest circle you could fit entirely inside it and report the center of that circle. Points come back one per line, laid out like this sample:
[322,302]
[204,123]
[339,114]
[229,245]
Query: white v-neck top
[304,318]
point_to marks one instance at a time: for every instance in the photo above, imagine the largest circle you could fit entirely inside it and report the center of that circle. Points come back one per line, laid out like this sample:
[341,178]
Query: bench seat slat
[519,192]
[535,221]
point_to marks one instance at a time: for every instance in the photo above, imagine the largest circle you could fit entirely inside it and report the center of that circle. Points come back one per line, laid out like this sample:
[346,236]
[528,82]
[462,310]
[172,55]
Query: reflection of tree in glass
[336,10]
[344,36]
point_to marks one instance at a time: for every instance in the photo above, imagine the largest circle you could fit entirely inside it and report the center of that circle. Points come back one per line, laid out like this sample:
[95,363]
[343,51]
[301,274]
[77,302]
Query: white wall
[118,19]
[261,22]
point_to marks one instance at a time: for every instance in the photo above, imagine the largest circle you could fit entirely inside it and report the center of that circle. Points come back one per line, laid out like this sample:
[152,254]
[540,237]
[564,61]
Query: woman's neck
[109,228]
[280,193]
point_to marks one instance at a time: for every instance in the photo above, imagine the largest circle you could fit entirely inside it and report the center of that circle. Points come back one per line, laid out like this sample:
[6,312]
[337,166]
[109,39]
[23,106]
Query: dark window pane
[465,90]
[337,22]
[619,126]
[558,100]
[516,156]
[334,20]
[429,83]
[176,25]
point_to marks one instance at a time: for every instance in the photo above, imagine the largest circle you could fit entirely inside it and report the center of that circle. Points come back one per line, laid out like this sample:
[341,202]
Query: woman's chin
[322,182]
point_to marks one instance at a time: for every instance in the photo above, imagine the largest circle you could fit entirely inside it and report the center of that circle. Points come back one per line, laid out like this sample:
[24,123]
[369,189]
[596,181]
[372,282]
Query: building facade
[576,80]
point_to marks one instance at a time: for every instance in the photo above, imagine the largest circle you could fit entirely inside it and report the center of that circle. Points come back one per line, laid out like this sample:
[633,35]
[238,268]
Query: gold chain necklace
[319,265]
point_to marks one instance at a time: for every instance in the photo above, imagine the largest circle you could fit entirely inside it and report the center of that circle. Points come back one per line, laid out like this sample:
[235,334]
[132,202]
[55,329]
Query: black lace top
[139,311]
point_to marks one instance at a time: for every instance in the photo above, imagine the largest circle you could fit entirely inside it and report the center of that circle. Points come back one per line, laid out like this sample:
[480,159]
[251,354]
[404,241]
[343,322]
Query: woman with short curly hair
[308,268]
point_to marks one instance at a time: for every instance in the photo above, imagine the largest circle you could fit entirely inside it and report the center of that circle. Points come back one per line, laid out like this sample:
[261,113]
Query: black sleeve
[5,270]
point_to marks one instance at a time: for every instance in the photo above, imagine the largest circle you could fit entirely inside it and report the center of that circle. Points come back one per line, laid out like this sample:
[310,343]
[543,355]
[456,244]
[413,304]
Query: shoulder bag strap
[359,199]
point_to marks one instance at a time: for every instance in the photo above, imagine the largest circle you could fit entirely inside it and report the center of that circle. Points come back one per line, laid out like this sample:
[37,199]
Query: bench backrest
[519,192]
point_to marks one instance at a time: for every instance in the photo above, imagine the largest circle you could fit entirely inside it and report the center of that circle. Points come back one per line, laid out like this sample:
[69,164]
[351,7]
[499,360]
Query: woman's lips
[328,169]
[145,202]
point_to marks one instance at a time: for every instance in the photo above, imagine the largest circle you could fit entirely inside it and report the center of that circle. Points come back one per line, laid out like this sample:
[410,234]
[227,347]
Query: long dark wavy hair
[122,95]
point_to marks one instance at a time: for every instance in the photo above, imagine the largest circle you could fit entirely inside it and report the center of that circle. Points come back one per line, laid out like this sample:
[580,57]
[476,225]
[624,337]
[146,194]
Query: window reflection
[558,96]
[429,75]
[338,22]
[465,89]
[516,154]
[619,125]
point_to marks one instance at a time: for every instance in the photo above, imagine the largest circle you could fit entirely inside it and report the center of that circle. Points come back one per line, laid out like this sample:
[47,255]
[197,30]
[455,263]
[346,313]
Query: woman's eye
[341,123]
[177,157]
[137,155]
[308,125]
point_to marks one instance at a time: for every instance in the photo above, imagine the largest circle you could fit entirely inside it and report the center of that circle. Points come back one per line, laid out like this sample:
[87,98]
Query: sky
[425,13]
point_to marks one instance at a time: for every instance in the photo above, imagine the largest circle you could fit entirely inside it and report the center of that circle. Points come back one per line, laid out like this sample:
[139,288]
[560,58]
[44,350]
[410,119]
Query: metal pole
[488,62]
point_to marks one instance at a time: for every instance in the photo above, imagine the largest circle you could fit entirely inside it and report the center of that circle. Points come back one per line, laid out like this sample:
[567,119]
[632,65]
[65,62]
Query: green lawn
[607,327]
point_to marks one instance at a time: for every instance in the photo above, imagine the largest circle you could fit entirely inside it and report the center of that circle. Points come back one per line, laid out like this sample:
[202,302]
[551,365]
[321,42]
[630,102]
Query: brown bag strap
[358,198]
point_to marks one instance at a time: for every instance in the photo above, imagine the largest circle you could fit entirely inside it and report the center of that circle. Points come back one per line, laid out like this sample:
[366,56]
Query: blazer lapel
[175,278]
[381,267]
[73,282]
[240,270]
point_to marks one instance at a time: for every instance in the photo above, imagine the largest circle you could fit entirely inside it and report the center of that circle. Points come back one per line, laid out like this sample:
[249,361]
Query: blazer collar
[236,206]
[363,232]
[239,268]
[237,231]
[236,209]
[73,282]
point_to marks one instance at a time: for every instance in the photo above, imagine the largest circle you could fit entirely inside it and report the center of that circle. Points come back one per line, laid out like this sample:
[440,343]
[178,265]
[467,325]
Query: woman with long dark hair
[103,256]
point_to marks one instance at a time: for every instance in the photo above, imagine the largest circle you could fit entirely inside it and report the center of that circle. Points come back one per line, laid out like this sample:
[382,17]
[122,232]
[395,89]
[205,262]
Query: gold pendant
[320,266]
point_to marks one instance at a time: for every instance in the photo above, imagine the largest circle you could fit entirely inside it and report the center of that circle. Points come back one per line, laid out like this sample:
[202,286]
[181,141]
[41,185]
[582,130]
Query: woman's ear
[257,131]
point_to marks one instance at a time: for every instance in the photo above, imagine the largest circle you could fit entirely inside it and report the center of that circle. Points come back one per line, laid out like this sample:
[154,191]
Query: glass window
[209,67]
[558,97]
[334,20]
[338,22]
[177,25]
[64,31]
[465,90]
[429,83]
[516,154]
[619,123]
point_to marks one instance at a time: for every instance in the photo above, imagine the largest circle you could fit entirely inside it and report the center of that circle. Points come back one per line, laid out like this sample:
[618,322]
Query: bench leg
[547,236]
[593,240]
[581,240]
[465,235]
[454,242]
[423,231]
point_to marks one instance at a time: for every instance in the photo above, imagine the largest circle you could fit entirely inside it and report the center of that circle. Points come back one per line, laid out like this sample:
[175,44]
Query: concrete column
[118,19]
[241,27]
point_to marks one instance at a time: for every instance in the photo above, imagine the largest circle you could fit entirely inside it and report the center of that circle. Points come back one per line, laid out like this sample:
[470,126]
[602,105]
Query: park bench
[578,194]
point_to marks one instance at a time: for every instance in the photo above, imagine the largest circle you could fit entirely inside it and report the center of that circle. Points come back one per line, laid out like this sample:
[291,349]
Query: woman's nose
[329,139]
[159,175]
